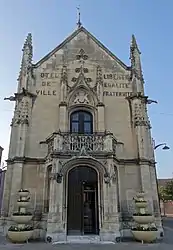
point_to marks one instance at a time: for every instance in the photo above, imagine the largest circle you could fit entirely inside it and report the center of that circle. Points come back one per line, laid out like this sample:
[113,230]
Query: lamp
[166,147]
[162,144]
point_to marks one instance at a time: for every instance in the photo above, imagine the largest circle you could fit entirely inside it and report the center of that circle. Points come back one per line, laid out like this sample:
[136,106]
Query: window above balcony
[81,122]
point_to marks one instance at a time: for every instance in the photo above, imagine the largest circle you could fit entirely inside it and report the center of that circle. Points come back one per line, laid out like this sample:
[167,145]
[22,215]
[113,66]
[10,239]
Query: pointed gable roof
[69,38]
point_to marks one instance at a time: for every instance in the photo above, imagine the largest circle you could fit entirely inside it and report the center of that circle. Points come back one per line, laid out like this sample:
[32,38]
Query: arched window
[81,122]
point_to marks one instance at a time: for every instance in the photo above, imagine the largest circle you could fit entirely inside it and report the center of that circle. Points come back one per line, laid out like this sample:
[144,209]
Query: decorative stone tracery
[81,84]
[82,71]
[22,112]
[99,84]
[64,84]
[82,55]
[139,119]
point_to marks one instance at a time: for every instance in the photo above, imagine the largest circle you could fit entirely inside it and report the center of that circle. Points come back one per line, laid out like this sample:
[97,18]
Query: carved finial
[26,63]
[64,74]
[27,49]
[135,59]
[79,24]
[134,44]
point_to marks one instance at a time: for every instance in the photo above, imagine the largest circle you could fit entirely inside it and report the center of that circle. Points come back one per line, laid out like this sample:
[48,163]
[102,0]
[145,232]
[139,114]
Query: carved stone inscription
[116,76]
[47,81]
[117,94]
[49,75]
[116,85]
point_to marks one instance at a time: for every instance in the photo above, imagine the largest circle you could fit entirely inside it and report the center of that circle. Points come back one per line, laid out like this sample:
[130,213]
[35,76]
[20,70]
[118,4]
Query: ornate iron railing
[93,143]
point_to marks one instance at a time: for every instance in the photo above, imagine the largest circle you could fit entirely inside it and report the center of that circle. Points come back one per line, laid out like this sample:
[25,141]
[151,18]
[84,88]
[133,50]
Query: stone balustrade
[74,143]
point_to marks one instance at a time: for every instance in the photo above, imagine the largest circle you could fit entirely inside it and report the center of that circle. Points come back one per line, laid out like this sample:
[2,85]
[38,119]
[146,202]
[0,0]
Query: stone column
[15,186]
[156,202]
[39,189]
[146,185]
[141,126]
[63,119]
[7,190]
[100,117]
[110,230]
[55,225]
[13,139]
[23,134]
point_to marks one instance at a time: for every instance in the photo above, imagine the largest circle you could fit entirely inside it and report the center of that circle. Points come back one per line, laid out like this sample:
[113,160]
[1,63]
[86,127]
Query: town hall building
[80,141]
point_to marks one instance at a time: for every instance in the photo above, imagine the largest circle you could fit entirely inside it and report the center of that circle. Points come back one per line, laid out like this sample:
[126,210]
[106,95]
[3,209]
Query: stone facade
[2,176]
[80,75]
[1,149]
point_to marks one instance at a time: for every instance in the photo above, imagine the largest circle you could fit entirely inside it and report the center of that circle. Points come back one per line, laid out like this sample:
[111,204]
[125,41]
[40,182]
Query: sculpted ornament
[22,112]
[81,75]
[139,119]
[81,98]
[99,84]
[81,55]
[64,83]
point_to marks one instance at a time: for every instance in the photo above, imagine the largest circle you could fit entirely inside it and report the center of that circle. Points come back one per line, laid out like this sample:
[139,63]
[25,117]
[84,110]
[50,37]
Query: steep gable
[90,36]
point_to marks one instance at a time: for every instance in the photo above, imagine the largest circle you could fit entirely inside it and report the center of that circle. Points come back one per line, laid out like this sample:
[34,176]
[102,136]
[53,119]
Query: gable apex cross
[79,24]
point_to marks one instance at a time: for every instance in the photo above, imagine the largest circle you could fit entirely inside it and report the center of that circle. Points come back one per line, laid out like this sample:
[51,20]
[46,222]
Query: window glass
[75,127]
[87,128]
[87,117]
[75,116]
[81,122]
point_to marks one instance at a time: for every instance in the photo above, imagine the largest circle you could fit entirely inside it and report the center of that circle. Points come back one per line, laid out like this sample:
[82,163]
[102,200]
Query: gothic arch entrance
[82,205]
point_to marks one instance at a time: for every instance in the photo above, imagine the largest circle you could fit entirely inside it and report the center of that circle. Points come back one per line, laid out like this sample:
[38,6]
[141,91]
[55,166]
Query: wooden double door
[82,207]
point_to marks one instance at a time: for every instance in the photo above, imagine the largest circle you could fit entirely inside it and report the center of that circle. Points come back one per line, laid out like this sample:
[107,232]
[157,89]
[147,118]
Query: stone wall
[2,179]
[46,116]
[166,208]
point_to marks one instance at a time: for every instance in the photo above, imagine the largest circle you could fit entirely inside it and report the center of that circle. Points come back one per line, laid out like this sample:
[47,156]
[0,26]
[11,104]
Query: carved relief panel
[78,89]
[139,117]
[22,112]
[81,97]
[80,85]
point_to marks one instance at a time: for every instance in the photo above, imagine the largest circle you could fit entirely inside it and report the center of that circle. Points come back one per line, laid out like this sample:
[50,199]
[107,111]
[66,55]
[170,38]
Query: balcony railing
[74,143]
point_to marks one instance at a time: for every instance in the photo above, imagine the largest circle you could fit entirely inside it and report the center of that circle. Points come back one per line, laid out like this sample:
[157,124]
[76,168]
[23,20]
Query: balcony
[71,144]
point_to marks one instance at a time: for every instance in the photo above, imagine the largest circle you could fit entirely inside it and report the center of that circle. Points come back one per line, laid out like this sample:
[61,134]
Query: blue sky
[112,22]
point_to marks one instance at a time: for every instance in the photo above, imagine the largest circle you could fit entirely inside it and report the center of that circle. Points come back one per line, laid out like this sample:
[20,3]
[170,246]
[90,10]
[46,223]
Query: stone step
[91,239]
[83,239]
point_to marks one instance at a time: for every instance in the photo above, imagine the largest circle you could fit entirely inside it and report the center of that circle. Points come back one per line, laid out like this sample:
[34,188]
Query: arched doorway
[82,206]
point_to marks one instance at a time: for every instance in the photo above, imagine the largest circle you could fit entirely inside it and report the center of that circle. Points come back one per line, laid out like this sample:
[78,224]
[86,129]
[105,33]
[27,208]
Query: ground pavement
[165,244]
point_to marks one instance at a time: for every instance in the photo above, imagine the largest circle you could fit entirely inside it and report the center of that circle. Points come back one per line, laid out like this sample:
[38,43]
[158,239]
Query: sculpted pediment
[80,85]
[81,80]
